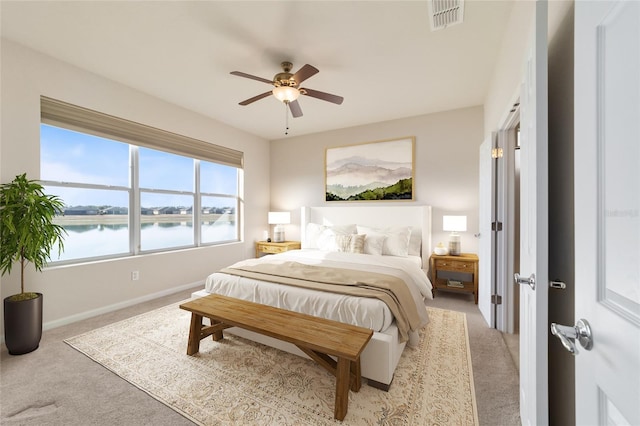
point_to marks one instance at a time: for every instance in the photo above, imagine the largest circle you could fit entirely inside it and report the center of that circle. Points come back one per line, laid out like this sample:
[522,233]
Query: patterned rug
[238,382]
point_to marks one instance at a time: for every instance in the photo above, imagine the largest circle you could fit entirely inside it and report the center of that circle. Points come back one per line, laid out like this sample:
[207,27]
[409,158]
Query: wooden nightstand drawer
[453,265]
[272,249]
[265,247]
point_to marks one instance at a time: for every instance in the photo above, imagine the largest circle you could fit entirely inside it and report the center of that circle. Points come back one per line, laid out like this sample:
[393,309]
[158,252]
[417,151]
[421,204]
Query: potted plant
[27,234]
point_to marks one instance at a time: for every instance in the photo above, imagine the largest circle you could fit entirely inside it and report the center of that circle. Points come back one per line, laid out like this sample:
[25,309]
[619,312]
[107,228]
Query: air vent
[444,13]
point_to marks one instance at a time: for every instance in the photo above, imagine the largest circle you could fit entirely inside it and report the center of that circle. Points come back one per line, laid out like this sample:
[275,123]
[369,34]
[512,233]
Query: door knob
[568,335]
[531,281]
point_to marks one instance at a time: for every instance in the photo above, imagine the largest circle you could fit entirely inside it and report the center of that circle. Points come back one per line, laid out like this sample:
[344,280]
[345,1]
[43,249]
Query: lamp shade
[454,223]
[279,218]
[286,93]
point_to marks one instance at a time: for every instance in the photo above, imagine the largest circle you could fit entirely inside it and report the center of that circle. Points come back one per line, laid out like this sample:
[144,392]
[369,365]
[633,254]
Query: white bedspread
[364,312]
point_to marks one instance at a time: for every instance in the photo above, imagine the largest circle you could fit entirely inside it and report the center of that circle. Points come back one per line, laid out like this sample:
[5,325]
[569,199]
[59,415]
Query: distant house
[115,210]
[149,212]
[81,211]
[173,210]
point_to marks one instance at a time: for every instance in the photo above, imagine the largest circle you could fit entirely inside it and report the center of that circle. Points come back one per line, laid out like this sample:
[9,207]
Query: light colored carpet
[238,382]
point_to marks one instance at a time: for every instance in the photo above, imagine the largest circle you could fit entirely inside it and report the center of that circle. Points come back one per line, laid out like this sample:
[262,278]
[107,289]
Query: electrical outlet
[135,275]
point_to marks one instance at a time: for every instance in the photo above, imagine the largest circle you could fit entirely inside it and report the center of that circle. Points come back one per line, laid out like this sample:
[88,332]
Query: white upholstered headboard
[418,217]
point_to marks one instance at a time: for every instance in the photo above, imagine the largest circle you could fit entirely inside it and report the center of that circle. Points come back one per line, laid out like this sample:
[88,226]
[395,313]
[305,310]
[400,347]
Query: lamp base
[454,245]
[278,234]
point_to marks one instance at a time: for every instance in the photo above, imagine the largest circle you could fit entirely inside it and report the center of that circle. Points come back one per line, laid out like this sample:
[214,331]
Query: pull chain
[286,119]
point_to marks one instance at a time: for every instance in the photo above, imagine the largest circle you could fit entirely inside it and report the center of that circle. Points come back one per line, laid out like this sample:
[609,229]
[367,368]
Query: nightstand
[465,263]
[266,247]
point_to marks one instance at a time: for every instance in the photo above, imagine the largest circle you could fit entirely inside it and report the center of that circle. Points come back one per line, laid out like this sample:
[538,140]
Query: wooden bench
[317,337]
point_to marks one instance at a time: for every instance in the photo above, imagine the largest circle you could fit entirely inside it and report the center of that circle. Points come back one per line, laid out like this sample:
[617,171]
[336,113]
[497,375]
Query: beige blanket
[391,290]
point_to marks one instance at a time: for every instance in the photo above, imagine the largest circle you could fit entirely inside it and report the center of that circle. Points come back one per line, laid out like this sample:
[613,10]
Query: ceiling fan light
[286,93]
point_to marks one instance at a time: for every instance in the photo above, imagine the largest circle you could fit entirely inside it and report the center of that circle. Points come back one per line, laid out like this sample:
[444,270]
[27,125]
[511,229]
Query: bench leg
[217,335]
[194,334]
[343,375]
[356,374]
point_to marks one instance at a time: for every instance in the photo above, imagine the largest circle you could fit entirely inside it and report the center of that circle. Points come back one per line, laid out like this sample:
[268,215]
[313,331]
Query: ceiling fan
[287,87]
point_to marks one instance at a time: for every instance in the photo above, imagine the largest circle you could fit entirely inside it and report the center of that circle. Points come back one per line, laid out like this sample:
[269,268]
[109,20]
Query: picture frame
[371,171]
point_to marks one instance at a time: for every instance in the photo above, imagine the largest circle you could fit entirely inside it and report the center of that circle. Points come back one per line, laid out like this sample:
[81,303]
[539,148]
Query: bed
[396,241]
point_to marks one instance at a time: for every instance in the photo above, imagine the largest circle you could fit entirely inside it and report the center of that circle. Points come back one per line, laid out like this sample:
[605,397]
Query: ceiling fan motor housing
[285,78]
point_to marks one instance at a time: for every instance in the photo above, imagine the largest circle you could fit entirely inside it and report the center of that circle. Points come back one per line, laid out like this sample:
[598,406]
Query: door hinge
[496,299]
[496,226]
[497,153]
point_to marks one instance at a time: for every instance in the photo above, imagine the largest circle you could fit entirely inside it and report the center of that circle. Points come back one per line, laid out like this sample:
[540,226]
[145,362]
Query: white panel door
[534,406]
[486,246]
[607,210]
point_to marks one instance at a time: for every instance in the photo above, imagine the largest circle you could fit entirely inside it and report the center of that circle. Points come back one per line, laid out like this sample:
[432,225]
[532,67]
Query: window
[124,199]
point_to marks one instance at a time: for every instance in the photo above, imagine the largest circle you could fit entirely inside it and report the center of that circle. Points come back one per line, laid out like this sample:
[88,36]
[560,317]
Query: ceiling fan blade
[296,111]
[252,77]
[255,98]
[304,73]
[322,95]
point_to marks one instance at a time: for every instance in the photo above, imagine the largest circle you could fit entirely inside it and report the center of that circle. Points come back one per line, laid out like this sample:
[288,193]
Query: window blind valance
[59,113]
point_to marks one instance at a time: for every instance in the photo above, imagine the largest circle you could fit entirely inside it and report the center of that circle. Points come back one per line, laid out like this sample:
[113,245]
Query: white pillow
[344,229]
[327,240]
[313,232]
[373,243]
[396,242]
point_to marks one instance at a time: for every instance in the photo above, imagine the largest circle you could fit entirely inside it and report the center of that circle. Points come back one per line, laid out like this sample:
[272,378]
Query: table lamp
[454,224]
[279,219]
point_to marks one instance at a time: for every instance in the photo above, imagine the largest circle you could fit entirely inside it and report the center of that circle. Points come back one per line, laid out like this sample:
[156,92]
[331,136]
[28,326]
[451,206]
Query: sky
[73,157]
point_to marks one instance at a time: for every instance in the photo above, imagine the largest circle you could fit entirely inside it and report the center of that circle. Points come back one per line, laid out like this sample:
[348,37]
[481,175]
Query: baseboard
[125,304]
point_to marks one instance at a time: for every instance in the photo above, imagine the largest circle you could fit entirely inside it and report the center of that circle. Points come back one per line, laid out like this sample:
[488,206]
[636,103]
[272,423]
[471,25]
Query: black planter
[23,325]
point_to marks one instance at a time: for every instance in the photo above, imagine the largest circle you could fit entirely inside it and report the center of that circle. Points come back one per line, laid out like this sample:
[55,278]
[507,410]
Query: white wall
[446,166]
[507,77]
[71,292]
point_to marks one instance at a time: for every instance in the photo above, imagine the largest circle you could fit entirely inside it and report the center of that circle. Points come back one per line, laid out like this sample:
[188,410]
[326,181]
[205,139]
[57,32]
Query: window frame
[77,116]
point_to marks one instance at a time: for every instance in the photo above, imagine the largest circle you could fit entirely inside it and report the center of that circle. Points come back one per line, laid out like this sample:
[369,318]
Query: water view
[105,235]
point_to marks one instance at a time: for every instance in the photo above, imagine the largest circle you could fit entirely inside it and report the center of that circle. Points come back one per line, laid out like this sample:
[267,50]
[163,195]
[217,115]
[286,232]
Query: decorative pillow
[415,242]
[352,243]
[327,239]
[373,243]
[396,242]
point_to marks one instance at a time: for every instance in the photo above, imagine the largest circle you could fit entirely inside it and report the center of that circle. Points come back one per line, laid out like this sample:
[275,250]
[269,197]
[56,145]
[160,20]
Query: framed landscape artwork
[373,171]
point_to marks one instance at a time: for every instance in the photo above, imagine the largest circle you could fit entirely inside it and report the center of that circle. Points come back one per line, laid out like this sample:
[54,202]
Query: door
[607,209]
[534,228]
[486,280]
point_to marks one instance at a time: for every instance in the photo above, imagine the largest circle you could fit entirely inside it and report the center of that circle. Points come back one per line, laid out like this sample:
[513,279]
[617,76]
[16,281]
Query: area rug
[238,382]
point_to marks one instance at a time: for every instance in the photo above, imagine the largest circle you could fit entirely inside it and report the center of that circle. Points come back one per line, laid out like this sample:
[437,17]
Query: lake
[86,240]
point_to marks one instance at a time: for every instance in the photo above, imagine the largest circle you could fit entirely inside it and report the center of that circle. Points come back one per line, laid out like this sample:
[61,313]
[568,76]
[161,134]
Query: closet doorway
[500,229]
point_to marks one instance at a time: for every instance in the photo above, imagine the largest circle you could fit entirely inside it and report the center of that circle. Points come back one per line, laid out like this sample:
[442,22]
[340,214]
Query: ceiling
[382,57]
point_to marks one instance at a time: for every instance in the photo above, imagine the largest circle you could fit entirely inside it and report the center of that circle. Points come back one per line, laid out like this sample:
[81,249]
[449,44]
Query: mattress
[364,312]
